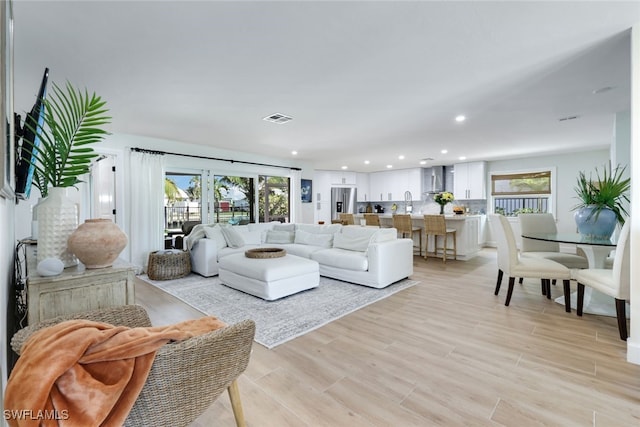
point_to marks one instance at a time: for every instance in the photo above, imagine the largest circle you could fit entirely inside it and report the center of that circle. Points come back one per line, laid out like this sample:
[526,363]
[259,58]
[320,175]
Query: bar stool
[372,219]
[435,225]
[402,223]
[347,219]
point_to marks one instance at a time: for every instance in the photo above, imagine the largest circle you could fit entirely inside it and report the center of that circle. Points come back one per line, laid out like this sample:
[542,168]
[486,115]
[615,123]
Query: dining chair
[614,282]
[372,219]
[435,225]
[402,223]
[347,219]
[545,223]
[514,265]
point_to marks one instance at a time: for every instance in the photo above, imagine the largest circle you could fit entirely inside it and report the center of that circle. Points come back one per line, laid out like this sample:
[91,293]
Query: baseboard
[633,351]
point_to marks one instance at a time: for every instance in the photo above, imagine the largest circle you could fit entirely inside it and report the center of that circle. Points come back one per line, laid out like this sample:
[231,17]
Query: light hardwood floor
[444,352]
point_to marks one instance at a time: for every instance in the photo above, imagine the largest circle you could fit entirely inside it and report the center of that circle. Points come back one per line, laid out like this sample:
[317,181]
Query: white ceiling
[362,80]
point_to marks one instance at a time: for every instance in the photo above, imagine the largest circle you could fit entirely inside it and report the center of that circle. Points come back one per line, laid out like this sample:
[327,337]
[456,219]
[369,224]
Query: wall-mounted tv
[30,141]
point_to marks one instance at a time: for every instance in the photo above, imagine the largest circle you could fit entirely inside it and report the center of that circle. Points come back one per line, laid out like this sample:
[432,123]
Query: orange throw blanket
[84,373]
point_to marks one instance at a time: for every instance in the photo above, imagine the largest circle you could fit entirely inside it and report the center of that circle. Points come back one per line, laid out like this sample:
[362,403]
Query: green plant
[606,191]
[73,121]
[443,198]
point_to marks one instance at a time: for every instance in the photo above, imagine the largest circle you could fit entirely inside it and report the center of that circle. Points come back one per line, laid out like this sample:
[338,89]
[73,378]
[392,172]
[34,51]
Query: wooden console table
[77,289]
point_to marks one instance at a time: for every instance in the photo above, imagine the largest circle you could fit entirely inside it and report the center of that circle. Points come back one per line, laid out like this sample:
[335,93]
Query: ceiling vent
[278,118]
[564,119]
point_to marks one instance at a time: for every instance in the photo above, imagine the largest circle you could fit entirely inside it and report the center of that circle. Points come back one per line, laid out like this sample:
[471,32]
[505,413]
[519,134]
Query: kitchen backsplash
[425,207]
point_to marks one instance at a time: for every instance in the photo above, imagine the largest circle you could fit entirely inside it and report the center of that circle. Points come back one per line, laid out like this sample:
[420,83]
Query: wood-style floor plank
[444,352]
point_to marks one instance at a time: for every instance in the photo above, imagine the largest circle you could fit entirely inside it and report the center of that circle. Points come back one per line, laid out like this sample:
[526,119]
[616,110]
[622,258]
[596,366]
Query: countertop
[421,216]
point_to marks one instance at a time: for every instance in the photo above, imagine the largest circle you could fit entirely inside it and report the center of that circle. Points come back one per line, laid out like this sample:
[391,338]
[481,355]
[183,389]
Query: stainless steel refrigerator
[343,200]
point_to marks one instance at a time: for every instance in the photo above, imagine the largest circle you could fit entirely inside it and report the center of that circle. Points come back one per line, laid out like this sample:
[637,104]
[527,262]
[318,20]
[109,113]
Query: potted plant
[73,122]
[602,201]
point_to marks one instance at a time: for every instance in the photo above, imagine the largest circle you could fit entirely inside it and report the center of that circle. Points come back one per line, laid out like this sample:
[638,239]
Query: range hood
[433,179]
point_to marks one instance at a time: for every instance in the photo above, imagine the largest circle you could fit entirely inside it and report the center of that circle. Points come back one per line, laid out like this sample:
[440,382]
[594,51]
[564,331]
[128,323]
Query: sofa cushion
[342,258]
[277,236]
[233,237]
[352,243]
[319,229]
[215,233]
[305,238]
[284,227]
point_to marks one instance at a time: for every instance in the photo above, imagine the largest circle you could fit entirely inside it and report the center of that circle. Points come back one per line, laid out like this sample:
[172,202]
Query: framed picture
[7,154]
[305,190]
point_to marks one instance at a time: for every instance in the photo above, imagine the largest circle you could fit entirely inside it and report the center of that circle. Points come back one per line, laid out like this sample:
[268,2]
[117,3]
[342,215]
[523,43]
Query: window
[273,195]
[234,199]
[182,199]
[527,192]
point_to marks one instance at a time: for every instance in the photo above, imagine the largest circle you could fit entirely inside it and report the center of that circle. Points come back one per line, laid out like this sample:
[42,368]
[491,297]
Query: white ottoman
[269,278]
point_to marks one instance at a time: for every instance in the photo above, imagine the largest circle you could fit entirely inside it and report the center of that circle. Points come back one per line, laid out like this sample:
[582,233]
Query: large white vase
[57,219]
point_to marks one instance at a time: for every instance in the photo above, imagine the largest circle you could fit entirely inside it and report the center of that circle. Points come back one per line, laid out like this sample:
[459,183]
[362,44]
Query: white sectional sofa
[366,256]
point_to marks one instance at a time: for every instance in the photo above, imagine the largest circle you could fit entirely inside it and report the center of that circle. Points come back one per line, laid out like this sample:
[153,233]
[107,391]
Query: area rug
[281,320]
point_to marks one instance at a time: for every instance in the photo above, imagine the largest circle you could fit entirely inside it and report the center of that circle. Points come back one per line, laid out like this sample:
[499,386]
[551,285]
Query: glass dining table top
[575,238]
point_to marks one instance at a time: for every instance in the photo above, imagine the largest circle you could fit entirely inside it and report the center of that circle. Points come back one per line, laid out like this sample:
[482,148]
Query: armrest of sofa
[392,259]
[204,257]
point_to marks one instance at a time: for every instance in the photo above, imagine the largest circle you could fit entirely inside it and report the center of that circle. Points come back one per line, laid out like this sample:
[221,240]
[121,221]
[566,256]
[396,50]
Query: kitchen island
[469,232]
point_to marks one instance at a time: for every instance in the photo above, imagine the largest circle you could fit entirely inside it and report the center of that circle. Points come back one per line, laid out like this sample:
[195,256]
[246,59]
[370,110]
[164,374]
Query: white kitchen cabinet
[322,186]
[391,185]
[362,187]
[469,181]
[342,178]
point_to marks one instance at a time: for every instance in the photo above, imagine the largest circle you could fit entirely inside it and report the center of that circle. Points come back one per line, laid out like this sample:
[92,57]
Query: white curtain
[296,196]
[146,189]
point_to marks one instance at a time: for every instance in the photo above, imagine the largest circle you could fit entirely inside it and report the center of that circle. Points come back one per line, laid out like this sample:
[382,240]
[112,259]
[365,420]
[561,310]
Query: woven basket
[165,265]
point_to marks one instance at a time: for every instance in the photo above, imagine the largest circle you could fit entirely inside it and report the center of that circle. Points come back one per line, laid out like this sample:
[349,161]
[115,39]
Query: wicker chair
[186,377]
[347,219]
[372,219]
[435,226]
[402,223]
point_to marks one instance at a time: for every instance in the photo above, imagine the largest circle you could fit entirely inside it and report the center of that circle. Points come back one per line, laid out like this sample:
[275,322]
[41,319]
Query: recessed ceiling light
[366,162]
[444,151]
[462,158]
[294,152]
[460,118]
[423,162]
[345,167]
[389,166]
[278,118]
[401,157]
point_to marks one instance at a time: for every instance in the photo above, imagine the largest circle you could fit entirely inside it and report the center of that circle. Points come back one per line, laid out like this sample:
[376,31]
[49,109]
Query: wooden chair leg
[622,318]
[580,301]
[520,280]
[455,249]
[543,288]
[236,403]
[499,282]
[548,282]
[512,282]
[567,295]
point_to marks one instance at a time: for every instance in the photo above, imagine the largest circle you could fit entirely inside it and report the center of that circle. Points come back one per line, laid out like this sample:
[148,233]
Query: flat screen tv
[30,141]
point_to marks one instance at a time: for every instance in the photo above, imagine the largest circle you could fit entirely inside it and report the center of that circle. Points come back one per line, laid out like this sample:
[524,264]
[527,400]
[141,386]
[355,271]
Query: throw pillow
[215,233]
[233,238]
[279,237]
[305,238]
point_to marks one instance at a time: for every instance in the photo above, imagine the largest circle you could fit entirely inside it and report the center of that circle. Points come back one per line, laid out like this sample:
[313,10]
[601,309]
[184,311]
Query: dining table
[596,249]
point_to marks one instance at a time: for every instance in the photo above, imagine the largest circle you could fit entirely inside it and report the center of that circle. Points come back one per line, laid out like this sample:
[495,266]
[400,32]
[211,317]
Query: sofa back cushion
[319,229]
[279,237]
[285,227]
[358,238]
[305,238]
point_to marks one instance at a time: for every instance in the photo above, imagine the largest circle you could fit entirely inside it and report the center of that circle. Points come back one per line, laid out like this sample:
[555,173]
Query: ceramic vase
[441,209]
[601,227]
[57,219]
[97,243]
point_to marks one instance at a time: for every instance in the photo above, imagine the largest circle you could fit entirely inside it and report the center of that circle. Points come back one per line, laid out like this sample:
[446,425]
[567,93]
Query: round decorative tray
[265,253]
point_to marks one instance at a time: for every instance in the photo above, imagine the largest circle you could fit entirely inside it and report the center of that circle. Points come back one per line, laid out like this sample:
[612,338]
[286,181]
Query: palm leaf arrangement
[73,122]
[608,190]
